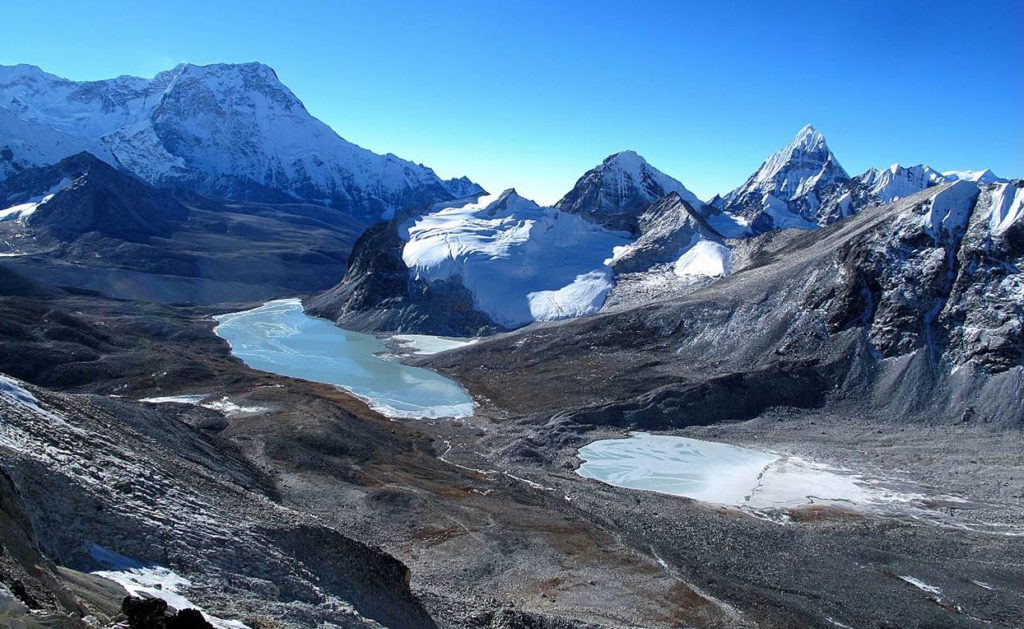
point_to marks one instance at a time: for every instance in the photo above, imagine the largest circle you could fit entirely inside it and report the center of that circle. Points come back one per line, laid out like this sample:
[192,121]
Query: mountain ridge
[231,130]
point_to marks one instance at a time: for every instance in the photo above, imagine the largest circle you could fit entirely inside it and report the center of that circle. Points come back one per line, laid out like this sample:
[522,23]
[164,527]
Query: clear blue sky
[531,94]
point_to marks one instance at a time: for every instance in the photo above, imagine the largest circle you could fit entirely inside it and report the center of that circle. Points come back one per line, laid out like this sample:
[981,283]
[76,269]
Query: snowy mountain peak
[506,202]
[791,186]
[626,160]
[807,139]
[806,155]
[896,182]
[619,189]
[231,130]
[977,176]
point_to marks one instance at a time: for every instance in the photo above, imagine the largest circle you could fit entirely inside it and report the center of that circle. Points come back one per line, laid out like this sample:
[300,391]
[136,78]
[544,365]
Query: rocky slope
[86,224]
[225,130]
[140,510]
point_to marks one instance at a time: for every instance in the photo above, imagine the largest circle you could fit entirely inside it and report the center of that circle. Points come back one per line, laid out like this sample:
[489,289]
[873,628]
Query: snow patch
[224,405]
[152,581]
[706,258]
[22,211]
[950,209]
[174,399]
[426,344]
[921,585]
[231,409]
[12,390]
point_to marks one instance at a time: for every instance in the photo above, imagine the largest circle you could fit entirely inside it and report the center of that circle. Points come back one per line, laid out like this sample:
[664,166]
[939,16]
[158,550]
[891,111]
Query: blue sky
[531,94]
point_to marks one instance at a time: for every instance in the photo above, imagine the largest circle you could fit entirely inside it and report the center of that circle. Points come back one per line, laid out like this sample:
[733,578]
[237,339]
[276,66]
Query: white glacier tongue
[229,129]
[521,262]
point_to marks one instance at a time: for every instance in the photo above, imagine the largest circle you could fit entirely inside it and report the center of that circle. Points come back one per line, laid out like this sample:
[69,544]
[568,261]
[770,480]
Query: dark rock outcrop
[378,294]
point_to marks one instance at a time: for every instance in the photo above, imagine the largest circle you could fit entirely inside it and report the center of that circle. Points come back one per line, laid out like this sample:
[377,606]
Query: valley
[278,378]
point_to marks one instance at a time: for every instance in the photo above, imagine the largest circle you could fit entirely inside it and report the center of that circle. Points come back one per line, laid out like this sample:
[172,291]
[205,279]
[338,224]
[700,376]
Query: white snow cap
[977,176]
[807,152]
[896,182]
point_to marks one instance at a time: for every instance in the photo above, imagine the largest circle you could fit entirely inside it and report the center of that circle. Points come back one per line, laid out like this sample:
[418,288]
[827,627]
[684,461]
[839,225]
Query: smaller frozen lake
[280,338]
[724,474]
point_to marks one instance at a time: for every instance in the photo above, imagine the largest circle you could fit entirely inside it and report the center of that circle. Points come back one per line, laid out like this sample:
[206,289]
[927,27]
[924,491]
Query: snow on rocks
[146,483]
[950,209]
[12,389]
[617,191]
[977,176]
[896,182]
[152,581]
[1005,206]
[797,186]
[24,210]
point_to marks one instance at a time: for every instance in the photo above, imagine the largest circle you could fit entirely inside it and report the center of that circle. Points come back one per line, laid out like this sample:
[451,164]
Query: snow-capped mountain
[977,176]
[230,130]
[804,186]
[801,185]
[617,191]
[895,182]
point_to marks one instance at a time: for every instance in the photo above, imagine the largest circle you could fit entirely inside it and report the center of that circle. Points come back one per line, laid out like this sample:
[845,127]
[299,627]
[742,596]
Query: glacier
[521,262]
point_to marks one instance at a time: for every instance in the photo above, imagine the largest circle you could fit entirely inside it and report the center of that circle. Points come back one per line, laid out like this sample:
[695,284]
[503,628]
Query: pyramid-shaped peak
[808,139]
[626,159]
[509,200]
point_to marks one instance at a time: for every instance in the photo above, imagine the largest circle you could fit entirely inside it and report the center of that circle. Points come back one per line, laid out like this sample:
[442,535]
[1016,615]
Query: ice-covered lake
[280,338]
[724,474]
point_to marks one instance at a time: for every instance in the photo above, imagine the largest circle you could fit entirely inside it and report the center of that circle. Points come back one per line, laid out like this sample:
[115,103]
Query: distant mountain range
[225,130]
[446,258]
[445,261]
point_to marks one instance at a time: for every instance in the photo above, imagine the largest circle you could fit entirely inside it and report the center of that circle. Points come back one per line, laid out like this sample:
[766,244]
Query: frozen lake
[280,338]
[724,474]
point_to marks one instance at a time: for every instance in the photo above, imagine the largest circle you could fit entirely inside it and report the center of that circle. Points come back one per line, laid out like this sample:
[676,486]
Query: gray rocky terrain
[869,326]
